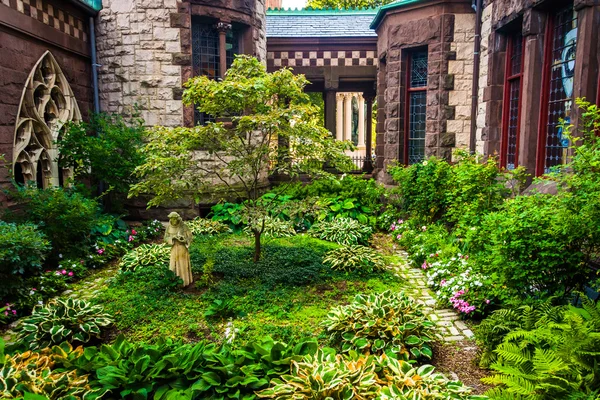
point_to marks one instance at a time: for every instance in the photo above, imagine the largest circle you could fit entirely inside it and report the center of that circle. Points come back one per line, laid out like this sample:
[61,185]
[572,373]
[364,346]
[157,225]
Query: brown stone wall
[24,38]
[431,25]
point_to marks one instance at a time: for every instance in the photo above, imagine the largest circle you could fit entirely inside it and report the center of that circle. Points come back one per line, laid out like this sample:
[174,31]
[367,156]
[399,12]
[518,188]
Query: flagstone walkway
[450,327]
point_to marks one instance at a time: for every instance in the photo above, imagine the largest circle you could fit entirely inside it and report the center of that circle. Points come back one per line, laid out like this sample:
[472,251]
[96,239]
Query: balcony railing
[363,163]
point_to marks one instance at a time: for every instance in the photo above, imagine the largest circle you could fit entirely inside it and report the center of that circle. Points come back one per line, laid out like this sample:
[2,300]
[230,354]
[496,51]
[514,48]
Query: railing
[363,164]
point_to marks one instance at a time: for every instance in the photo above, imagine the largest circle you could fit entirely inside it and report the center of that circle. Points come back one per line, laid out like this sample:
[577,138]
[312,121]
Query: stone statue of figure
[179,236]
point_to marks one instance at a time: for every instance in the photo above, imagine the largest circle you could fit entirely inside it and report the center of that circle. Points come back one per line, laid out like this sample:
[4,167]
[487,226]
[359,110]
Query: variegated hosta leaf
[203,226]
[354,258]
[62,320]
[146,255]
[379,323]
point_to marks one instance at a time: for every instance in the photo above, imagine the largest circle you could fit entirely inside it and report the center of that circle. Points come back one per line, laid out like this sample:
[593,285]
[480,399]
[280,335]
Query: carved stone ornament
[47,103]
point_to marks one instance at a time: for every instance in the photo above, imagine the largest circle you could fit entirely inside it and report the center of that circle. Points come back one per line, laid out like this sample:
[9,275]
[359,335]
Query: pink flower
[14,312]
[399,237]
[130,238]
[443,282]
[34,289]
[424,265]
[487,301]
[5,312]
[400,221]
[100,251]
[64,272]
[82,262]
[70,273]
[423,228]
[133,232]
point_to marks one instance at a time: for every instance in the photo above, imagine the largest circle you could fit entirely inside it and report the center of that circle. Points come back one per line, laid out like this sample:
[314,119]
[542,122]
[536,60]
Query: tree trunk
[257,235]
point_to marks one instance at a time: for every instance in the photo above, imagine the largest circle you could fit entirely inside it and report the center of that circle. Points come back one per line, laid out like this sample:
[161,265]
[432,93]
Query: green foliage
[405,381]
[272,227]
[326,375]
[35,374]
[264,109]
[228,213]
[355,258]
[106,149]
[378,323]
[533,246]
[221,309]
[344,231]
[555,359]
[61,320]
[65,216]
[170,369]
[347,3]
[146,255]
[23,249]
[201,226]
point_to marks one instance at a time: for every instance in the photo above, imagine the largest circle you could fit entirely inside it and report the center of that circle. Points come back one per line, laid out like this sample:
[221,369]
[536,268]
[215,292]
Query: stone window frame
[408,91]
[187,9]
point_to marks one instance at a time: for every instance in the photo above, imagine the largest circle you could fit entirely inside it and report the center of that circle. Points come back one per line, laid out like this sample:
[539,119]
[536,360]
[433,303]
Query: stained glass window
[560,90]
[416,108]
[512,93]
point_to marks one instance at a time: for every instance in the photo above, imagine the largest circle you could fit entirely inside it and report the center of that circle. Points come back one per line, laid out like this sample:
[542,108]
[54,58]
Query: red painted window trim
[506,103]
[408,91]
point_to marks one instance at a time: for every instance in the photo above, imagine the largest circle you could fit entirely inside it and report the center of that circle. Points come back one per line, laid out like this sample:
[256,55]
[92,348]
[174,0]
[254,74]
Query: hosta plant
[354,258]
[325,376]
[62,321]
[274,227]
[146,255]
[405,381]
[34,373]
[381,323]
[344,231]
[202,226]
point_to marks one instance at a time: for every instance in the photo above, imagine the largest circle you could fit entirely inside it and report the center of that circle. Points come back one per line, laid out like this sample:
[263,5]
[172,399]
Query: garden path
[450,327]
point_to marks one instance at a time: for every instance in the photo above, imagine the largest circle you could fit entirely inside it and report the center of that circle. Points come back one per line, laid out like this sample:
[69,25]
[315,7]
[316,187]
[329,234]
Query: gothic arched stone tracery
[47,103]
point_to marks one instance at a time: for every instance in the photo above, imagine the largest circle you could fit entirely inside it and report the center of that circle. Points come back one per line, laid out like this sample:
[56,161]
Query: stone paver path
[450,327]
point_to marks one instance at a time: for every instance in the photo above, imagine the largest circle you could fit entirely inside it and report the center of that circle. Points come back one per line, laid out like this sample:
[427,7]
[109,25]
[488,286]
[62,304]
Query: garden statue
[179,236]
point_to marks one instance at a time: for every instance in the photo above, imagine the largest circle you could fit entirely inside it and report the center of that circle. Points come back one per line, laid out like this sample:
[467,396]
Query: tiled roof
[320,23]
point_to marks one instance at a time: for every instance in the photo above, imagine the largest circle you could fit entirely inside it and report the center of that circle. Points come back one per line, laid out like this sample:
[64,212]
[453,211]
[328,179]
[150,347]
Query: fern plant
[554,360]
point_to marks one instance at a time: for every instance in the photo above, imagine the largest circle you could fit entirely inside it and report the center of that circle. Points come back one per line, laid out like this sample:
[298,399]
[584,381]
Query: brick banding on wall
[320,58]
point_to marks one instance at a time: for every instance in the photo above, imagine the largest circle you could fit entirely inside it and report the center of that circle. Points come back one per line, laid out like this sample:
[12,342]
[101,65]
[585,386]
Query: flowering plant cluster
[456,284]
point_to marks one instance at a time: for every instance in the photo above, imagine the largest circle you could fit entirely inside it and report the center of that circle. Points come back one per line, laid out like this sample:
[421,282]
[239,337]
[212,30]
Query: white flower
[60,256]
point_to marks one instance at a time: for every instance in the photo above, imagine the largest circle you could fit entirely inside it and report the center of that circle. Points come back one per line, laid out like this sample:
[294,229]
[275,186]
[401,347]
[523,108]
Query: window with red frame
[512,102]
[416,105]
[559,72]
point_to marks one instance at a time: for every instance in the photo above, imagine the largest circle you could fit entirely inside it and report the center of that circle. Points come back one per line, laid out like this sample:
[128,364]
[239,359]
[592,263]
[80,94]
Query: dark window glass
[510,125]
[417,105]
[560,95]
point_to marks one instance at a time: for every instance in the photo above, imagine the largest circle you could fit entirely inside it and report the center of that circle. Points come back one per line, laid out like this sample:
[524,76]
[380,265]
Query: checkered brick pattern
[50,15]
[277,59]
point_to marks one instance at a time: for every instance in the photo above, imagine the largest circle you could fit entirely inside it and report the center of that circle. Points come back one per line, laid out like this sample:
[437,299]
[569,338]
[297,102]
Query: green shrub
[355,258]
[344,231]
[201,226]
[146,255]
[22,251]
[534,246]
[106,149]
[30,374]
[171,369]
[273,227]
[326,376]
[65,216]
[61,320]
[555,359]
[379,323]
[405,381]
[228,213]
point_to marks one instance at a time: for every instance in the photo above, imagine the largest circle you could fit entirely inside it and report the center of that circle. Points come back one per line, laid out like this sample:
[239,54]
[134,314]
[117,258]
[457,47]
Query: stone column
[223,27]
[340,117]
[368,165]
[348,116]
[330,118]
[361,122]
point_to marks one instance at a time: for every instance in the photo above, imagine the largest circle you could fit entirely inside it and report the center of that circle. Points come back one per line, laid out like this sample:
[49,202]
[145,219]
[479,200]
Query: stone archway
[47,103]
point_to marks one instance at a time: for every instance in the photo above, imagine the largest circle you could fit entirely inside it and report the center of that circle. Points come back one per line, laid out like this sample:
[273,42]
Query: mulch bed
[458,360]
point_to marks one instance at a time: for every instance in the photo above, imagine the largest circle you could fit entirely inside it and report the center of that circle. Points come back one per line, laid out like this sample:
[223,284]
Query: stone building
[45,81]
[425,53]
[537,57]
[148,48]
